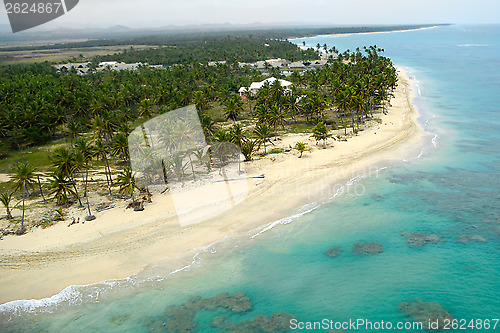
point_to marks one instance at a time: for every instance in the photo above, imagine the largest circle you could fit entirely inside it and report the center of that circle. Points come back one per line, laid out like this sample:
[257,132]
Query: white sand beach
[120,242]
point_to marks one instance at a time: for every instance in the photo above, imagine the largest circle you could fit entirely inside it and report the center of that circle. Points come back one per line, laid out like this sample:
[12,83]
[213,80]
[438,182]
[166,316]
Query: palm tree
[276,117]
[301,147]
[24,178]
[178,166]
[72,129]
[293,103]
[247,149]
[102,153]
[342,103]
[87,150]
[97,124]
[66,163]
[126,181]
[5,199]
[233,107]
[146,109]
[237,136]
[263,136]
[119,146]
[61,187]
[40,187]
[201,101]
[208,125]
[320,132]
[82,162]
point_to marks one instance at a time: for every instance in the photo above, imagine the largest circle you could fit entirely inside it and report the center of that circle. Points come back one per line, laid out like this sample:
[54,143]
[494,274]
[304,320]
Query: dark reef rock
[181,318]
[417,239]
[363,249]
[431,315]
[464,239]
[334,252]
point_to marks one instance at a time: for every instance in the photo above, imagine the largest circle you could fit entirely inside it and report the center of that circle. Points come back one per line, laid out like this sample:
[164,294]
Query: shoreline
[369,33]
[122,243]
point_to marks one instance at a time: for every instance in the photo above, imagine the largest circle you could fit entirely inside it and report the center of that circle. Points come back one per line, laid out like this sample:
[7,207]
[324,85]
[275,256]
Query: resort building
[84,67]
[256,86]
[80,67]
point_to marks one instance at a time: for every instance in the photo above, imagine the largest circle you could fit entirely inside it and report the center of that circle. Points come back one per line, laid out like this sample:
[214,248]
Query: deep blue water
[451,190]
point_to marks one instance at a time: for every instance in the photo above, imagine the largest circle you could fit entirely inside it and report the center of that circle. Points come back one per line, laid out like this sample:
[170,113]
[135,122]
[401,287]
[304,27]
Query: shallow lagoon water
[450,190]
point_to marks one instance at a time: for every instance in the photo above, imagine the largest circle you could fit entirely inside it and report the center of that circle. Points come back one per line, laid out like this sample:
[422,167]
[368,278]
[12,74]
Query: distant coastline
[380,32]
[367,30]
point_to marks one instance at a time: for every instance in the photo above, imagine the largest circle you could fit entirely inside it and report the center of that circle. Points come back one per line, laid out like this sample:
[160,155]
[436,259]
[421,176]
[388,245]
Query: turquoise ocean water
[451,188]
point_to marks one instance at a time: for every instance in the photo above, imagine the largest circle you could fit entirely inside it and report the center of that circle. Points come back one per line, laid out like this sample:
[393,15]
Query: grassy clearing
[35,156]
[57,55]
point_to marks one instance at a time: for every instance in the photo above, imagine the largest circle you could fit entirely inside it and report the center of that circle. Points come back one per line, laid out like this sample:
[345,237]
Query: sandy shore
[121,242]
[367,33]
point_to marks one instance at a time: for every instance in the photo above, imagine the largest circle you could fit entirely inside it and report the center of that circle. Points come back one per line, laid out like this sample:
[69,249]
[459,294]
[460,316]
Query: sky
[157,13]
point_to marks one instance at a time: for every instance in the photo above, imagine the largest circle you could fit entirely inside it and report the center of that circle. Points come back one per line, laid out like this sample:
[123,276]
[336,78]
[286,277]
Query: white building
[255,86]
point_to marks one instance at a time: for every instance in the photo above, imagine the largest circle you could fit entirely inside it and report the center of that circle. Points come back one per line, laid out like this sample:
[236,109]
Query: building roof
[72,65]
[258,85]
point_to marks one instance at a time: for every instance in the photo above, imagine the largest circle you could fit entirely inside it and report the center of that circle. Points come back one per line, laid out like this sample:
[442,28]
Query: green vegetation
[24,179]
[94,114]
[5,199]
[230,49]
[301,148]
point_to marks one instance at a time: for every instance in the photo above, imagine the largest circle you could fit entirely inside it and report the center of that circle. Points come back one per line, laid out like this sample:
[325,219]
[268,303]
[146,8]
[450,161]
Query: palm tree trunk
[76,191]
[40,186]
[24,194]
[352,119]
[86,195]
[345,122]
[85,185]
[108,180]
[109,171]
[192,168]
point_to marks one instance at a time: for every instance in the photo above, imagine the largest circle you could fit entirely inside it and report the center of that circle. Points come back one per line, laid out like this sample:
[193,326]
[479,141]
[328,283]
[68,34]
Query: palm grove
[94,114]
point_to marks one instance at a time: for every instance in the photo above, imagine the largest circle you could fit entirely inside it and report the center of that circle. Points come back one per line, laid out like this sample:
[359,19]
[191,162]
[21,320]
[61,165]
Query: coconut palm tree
[146,109]
[301,147]
[40,188]
[201,101]
[119,146]
[320,132]
[5,199]
[23,177]
[263,134]
[178,166]
[126,181]
[72,129]
[208,125]
[66,163]
[237,136]
[102,154]
[61,187]
[248,148]
[98,127]
[233,107]
[276,117]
